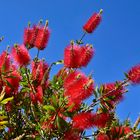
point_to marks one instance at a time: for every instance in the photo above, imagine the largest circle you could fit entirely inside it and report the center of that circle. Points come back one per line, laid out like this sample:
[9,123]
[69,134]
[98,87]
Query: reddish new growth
[93,22]
[21,55]
[37,36]
[78,87]
[134,74]
[76,56]
[4,62]
[38,70]
[111,94]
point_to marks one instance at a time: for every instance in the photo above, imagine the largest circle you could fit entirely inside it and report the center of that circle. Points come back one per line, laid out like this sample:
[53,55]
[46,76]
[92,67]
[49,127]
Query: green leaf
[54,101]
[5,101]
[61,124]
[49,108]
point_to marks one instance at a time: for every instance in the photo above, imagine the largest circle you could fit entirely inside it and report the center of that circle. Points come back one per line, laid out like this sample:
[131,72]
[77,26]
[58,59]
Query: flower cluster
[37,105]
[76,56]
[37,36]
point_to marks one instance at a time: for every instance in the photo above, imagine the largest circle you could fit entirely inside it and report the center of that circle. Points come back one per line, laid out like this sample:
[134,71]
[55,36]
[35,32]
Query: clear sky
[116,40]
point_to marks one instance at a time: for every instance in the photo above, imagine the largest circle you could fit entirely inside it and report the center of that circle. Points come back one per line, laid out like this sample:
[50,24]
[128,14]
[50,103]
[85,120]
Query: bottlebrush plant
[35,106]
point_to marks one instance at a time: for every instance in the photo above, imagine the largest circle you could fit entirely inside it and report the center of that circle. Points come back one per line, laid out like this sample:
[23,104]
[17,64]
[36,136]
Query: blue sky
[116,40]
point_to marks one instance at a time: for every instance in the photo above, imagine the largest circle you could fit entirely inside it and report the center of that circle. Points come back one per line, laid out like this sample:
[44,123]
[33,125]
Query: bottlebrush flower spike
[5,61]
[21,54]
[12,83]
[71,78]
[29,36]
[101,119]
[79,87]
[38,96]
[83,120]
[93,22]
[72,54]
[133,74]
[42,36]
[38,70]
[87,53]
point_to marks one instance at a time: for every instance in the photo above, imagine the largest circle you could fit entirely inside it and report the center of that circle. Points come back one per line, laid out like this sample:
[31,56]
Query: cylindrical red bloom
[42,37]
[83,120]
[78,86]
[12,82]
[87,53]
[72,54]
[101,136]
[29,37]
[38,70]
[92,23]
[101,119]
[38,96]
[21,55]
[87,120]
[134,74]
[5,62]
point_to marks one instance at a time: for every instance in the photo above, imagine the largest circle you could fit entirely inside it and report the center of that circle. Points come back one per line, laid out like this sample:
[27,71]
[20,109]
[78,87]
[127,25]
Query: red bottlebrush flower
[29,37]
[71,78]
[71,135]
[100,120]
[112,93]
[87,53]
[5,62]
[12,82]
[79,87]
[42,37]
[134,74]
[38,70]
[87,120]
[21,55]
[72,54]
[38,96]
[101,136]
[33,98]
[83,120]
[93,22]
[74,104]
